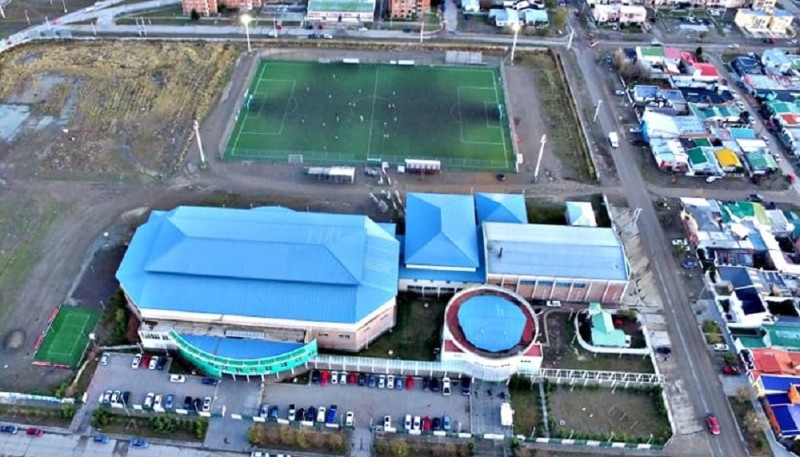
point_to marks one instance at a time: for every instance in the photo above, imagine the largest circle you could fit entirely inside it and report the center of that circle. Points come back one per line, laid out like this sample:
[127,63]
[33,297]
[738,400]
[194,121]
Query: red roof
[450,346]
[790,118]
[687,56]
[775,361]
[706,69]
[535,351]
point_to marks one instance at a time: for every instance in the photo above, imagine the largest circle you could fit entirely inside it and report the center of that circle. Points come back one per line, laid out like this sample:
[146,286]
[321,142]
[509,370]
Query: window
[579,285]
[347,337]
[322,334]
[546,283]
[562,284]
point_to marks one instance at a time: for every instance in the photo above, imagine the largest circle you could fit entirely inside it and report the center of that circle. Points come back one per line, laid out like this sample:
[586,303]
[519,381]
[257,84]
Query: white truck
[613,138]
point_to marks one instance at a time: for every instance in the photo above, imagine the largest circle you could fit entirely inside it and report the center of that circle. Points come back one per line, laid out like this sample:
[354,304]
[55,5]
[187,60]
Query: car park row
[325,378]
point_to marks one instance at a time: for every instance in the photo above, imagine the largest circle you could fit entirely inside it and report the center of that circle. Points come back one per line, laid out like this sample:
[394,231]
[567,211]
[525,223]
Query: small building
[344,11]
[729,161]
[507,17]
[603,14]
[211,7]
[603,331]
[756,21]
[669,155]
[657,125]
[632,14]
[535,17]
[408,9]
[776,60]
[580,214]
[769,361]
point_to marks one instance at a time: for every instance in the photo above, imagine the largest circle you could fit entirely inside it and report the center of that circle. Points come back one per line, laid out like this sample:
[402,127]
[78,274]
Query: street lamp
[516,28]
[246,20]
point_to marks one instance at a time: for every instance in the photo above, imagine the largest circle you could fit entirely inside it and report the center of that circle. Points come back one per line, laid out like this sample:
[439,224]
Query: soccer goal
[296,159]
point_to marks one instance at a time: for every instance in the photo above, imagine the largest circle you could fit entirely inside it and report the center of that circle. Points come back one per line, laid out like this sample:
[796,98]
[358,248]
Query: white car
[446,386]
[381,382]
[321,415]
[390,382]
[148,400]
[553,304]
[417,425]
[349,419]
[207,404]
[343,378]
[327,36]
[719,347]
[272,34]
[153,362]
[680,242]
[159,400]
[104,359]
[387,422]
[733,46]
[334,377]
[407,422]
[115,397]
[292,415]
[137,359]
[177,378]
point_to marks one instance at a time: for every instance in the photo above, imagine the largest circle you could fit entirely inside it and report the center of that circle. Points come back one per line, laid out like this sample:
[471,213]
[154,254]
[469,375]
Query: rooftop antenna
[500,254]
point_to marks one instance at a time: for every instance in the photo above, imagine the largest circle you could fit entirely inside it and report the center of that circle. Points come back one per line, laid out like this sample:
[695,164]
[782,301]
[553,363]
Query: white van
[613,139]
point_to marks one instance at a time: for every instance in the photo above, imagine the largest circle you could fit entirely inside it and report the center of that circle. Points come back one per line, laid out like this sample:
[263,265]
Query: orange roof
[774,361]
[790,118]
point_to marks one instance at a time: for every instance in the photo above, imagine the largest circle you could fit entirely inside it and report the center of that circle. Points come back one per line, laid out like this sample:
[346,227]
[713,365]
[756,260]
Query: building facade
[408,9]
[210,7]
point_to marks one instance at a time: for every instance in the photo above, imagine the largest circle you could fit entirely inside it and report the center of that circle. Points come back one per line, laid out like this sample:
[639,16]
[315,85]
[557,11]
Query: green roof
[339,6]
[771,163]
[782,336]
[603,331]
[651,51]
[744,210]
[697,156]
[752,342]
[779,107]
[756,160]
[702,142]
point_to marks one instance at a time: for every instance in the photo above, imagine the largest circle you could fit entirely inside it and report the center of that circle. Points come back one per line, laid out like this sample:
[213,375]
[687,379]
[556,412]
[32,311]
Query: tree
[754,423]
[400,448]
[699,51]
[745,394]
[100,418]
[194,15]
[559,17]
[222,8]
[256,435]
[630,71]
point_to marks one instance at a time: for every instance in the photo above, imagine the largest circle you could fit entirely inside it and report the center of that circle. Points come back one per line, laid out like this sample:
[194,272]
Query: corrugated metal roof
[441,231]
[555,251]
[491,323]
[501,208]
[240,348]
[278,264]
[581,213]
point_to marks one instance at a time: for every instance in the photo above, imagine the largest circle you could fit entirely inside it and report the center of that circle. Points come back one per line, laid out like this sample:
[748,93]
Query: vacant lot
[111,109]
[526,403]
[562,352]
[596,413]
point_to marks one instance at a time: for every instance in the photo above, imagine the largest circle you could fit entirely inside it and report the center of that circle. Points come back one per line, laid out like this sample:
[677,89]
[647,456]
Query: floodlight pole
[64,4]
[3,13]
[571,36]
[94,30]
[539,159]
[27,18]
[514,43]
[422,28]
[199,143]
[247,34]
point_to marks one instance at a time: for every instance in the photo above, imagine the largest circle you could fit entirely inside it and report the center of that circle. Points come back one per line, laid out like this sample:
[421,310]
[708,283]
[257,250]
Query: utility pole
[422,28]
[516,28]
[539,159]
[27,18]
[199,144]
[2,13]
[597,111]
[64,4]
[571,36]
[94,30]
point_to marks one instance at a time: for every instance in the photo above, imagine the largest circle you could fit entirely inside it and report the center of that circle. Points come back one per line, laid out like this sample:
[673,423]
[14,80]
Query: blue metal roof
[441,231]
[501,208]
[240,348]
[491,323]
[772,383]
[788,419]
[267,263]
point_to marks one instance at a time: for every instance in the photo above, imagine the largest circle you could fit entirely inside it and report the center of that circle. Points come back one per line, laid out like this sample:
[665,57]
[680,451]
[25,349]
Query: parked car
[343,378]
[148,400]
[137,359]
[327,36]
[104,359]
[663,350]
[158,401]
[398,383]
[407,422]
[417,423]
[731,370]
[713,424]
[352,378]
[315,377]
[210,381]
[197,404]
[446,386]
[426,384]
[362,379]
[300,415]
[434,385]
[169,402]
[273,412]
[720,347]
[446,423]
[680,242]
[330,417]
[153,363]
[140,443]
[409,382]
[387,422]
[465,386]
[34,431]
[553,304]
[349,419]
[311,414]
[187,402]
[325,378]
[125,398]
[334,377]
[162,362]
[321,414]
[426,423]
[177,378]
[291,415]
[757,198]
[207,404]
[106,397]
[389,382]
[8,429]
[263,411]
[101,439]
[381,382]
[436,424]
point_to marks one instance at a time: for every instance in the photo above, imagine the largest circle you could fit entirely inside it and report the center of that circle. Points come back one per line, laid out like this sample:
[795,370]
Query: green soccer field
[68,336]
[338,114]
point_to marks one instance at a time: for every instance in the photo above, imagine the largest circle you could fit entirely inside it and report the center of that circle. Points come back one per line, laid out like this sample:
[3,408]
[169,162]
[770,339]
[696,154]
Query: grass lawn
[598,412]
[417,333]
[57,416]
[338,113]
[66,340]
[756,442]
[527,409]
[563,129]
[561,352]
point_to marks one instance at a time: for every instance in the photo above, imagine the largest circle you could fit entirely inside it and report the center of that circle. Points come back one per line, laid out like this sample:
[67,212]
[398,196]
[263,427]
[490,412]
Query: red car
[731,370]
[409,382]
[33,431]
[145,362]
[352,378]
[325,378]
[426,423]
[713,424]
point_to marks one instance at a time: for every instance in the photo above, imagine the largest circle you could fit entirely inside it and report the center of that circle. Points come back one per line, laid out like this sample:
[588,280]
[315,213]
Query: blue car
[138,442]
[446,423]
[331,414]
[210,381]
[8,429]
[169,402]
[273,413]
[372,381]
[102,439]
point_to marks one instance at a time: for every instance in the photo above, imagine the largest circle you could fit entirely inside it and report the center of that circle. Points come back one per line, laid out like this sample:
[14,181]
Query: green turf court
[340,113]
[68,335]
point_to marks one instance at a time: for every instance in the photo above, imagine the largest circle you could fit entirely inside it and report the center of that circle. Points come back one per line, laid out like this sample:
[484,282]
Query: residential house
[776,22]
[764,5]
[776,60]
[603,331]
[471,6]
[535,17]
[603,14]
[781,401]
[632,14]
[408,9]
[507,17]
[669,155]
[748,297]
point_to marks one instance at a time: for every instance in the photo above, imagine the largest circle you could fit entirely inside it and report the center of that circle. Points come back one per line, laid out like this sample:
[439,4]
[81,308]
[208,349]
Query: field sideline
[341,113]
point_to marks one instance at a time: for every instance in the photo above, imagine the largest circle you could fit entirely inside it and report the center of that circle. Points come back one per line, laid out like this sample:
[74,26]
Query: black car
[434,385]
[663,350]
[362,379]
[125,398]
[315,377]
[372,381]
[300,414]
[162,362]
[210,381]
[437,424]
[311,414]
[465,385]
[187,402]
[756,198]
